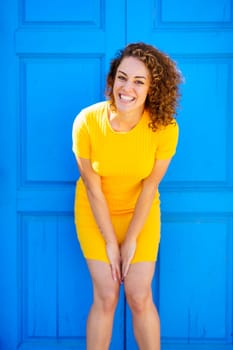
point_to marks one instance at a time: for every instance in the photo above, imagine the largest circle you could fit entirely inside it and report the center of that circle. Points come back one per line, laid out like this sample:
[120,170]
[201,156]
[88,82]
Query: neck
[124,121]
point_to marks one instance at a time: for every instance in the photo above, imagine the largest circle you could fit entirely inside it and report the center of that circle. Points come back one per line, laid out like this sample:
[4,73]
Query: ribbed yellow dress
[123,160]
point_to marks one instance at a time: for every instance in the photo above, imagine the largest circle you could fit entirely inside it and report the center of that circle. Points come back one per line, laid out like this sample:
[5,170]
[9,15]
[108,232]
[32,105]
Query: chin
[121,108]
[122,105]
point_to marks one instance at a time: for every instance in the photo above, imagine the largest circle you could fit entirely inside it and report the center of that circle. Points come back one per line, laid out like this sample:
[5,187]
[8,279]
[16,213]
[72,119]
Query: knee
[107,301]
[138,301]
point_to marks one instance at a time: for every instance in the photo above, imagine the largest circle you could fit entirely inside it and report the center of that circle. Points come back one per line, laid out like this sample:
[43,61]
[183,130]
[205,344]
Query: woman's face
[131,85]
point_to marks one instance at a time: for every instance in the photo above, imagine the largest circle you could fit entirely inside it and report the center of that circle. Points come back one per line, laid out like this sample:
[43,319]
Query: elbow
[150,188]
[154,189]
[93,194]
[94,191]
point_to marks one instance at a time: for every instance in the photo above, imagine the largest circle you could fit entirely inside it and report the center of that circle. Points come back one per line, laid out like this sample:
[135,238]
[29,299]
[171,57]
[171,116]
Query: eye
[121,77]
[139,82]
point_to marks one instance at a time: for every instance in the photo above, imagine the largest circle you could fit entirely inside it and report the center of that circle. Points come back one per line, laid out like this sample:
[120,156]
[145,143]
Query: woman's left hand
[128,248]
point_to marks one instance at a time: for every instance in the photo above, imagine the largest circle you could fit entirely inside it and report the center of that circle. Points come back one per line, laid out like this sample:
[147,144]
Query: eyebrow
[137,76]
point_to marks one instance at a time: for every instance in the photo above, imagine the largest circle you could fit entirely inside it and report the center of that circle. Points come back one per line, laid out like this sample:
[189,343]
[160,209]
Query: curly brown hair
[163,96]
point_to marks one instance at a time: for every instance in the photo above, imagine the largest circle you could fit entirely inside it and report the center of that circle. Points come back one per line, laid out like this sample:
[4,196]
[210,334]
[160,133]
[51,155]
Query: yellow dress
[122,160]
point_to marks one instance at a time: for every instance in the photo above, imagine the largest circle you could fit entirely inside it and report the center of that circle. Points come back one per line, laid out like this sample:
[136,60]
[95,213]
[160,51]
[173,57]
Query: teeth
[126,98]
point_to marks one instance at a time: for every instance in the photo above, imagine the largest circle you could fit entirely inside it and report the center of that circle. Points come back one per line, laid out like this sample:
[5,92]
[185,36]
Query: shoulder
[167,140]
[94,110]
[91,114]
[169,130]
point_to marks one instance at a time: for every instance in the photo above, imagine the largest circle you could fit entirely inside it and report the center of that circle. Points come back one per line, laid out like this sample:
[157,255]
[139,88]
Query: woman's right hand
[113,253]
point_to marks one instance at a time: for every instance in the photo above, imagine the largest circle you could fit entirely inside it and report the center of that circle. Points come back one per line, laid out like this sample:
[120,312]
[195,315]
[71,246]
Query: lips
[126,98]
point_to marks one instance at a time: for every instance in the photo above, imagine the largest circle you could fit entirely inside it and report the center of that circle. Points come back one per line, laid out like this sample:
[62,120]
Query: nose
[128,85]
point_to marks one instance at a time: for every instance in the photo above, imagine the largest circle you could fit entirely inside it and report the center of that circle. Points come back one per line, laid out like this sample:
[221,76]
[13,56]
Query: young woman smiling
[123,148]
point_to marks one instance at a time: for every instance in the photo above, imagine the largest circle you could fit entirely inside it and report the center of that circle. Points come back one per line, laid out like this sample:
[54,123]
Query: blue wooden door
[53,61]
[54,56]
[194,273]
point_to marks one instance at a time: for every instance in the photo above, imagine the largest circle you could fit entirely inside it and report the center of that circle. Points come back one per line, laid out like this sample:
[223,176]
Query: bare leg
[100,319]
[139,297]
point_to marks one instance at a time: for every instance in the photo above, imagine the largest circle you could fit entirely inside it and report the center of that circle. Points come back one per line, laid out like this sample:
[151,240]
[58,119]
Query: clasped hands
[120,258]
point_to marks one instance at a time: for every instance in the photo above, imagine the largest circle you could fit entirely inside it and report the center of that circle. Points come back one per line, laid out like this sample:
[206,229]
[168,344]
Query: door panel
[57,55]
[195,292]
[8,221]
[195,264]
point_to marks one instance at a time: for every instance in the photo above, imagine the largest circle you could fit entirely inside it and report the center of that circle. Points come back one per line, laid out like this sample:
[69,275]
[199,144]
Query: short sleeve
[80,137]
[168,139]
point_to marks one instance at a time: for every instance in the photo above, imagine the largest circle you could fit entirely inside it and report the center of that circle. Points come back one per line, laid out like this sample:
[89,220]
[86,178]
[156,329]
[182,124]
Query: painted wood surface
[53,62]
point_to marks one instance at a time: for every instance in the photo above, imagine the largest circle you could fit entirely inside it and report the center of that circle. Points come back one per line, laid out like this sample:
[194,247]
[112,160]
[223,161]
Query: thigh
[139,278]
[103,284]
[90,238]
[149,238]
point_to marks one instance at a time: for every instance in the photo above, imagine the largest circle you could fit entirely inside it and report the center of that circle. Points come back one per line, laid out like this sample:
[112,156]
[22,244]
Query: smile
[126,98]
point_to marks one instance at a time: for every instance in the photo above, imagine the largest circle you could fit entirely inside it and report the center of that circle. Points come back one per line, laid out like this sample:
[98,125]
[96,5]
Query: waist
[120,200]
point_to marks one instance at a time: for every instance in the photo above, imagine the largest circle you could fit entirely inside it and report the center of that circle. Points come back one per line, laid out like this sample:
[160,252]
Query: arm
[100,211]
[142,208]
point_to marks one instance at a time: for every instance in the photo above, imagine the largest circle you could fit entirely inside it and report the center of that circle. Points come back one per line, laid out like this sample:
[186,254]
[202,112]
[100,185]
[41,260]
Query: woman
[123,148]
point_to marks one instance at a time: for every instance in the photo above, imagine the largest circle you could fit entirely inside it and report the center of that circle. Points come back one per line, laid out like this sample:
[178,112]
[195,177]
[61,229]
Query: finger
[118,273]
[125,268]
[114,274]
